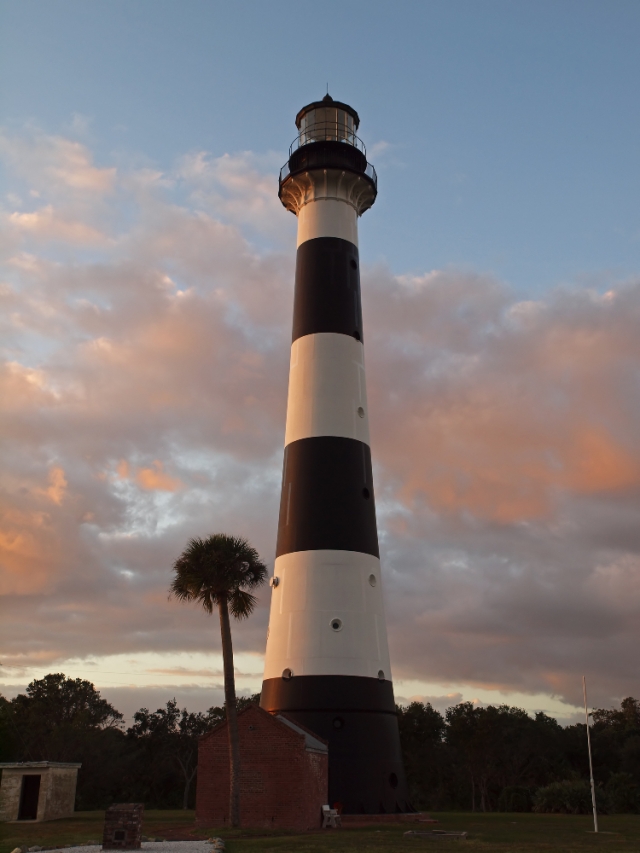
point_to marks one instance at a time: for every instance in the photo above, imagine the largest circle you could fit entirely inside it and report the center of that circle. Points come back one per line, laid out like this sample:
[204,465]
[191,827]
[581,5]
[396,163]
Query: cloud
[440,703]
[510,468]
[523,405]
[144,389]
[50,162]
[155,479]
[241,188]
[47,224]
[57,485]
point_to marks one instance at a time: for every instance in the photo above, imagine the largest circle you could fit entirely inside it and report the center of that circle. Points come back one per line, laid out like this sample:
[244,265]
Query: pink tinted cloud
[50,162]
[144,393]
[47,224]
[505,407]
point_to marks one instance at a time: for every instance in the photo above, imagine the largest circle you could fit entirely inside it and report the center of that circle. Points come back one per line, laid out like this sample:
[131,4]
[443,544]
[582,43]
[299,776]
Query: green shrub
[572,796]
[515,799]
[623,793]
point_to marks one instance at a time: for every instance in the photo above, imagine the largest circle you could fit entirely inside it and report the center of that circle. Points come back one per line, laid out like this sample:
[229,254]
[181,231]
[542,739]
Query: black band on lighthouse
[327,295]
[327,497]
[328,693]
[357,716]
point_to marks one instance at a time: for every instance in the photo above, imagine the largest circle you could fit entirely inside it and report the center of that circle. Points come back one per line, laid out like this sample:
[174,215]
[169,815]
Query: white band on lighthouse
[328,217]
[327,616]
[327,389]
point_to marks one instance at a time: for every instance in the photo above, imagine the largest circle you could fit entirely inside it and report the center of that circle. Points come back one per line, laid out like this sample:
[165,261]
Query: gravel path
[156,846]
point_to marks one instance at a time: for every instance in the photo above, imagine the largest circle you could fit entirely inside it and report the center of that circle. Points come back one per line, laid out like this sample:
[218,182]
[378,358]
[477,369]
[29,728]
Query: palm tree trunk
[232,715]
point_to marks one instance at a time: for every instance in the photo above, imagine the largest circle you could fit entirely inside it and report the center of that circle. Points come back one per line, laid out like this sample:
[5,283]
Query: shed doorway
[29,796]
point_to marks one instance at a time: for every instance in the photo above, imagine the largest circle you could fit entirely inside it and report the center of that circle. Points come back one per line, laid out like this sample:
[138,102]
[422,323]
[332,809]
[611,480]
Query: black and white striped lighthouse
[327,660]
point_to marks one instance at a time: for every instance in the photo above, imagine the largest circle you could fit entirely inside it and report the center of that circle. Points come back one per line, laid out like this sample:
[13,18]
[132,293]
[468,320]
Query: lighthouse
[327,659]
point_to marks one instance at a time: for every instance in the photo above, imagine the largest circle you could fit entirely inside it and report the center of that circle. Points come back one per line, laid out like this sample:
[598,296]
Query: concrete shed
[37,790]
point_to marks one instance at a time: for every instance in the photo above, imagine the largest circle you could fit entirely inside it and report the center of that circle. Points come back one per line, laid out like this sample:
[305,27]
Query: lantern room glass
[327,123]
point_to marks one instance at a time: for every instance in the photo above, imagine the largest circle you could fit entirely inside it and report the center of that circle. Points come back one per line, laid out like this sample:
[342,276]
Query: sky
[146,289]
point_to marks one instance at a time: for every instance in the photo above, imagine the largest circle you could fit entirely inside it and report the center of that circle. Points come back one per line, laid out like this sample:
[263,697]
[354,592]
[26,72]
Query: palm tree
[218,572]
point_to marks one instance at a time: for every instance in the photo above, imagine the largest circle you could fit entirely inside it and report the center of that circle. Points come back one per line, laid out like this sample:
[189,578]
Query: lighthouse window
[287,674]
[372,580]
[327,123]
[338,723]
[354,265]
[381,675]
[360,412]
[356,335]
[366,493]
[336,624]
[393,780]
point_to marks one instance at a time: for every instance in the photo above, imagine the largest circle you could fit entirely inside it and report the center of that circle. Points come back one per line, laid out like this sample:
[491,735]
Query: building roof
[311,742]
[35,765]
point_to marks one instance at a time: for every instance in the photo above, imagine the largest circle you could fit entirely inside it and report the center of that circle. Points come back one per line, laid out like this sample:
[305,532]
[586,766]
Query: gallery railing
[352,156]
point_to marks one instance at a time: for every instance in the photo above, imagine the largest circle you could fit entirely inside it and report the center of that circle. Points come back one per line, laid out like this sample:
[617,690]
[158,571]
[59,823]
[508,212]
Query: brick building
[283,774]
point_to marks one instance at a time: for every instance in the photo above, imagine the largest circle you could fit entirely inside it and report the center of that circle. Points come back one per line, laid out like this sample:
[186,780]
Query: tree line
[153,761]
[502,759]
[469,758]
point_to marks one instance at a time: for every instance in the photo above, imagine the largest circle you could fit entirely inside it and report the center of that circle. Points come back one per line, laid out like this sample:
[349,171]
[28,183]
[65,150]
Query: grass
[503,833]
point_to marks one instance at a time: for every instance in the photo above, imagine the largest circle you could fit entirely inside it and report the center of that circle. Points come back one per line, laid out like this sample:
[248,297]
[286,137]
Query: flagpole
[593,787]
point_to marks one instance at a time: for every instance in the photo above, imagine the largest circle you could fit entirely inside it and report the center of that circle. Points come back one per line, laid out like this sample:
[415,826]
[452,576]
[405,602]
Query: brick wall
[283,784]
[123,827]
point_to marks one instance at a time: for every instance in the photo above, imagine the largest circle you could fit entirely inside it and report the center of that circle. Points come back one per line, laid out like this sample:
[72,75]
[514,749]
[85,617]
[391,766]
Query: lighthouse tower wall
[327,659]
[327,558]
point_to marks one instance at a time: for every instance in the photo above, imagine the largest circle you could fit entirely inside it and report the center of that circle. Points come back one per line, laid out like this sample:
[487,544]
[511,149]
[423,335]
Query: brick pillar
[123,826]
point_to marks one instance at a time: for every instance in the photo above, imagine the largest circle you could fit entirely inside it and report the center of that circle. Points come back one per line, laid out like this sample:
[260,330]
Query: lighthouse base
[357,717]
